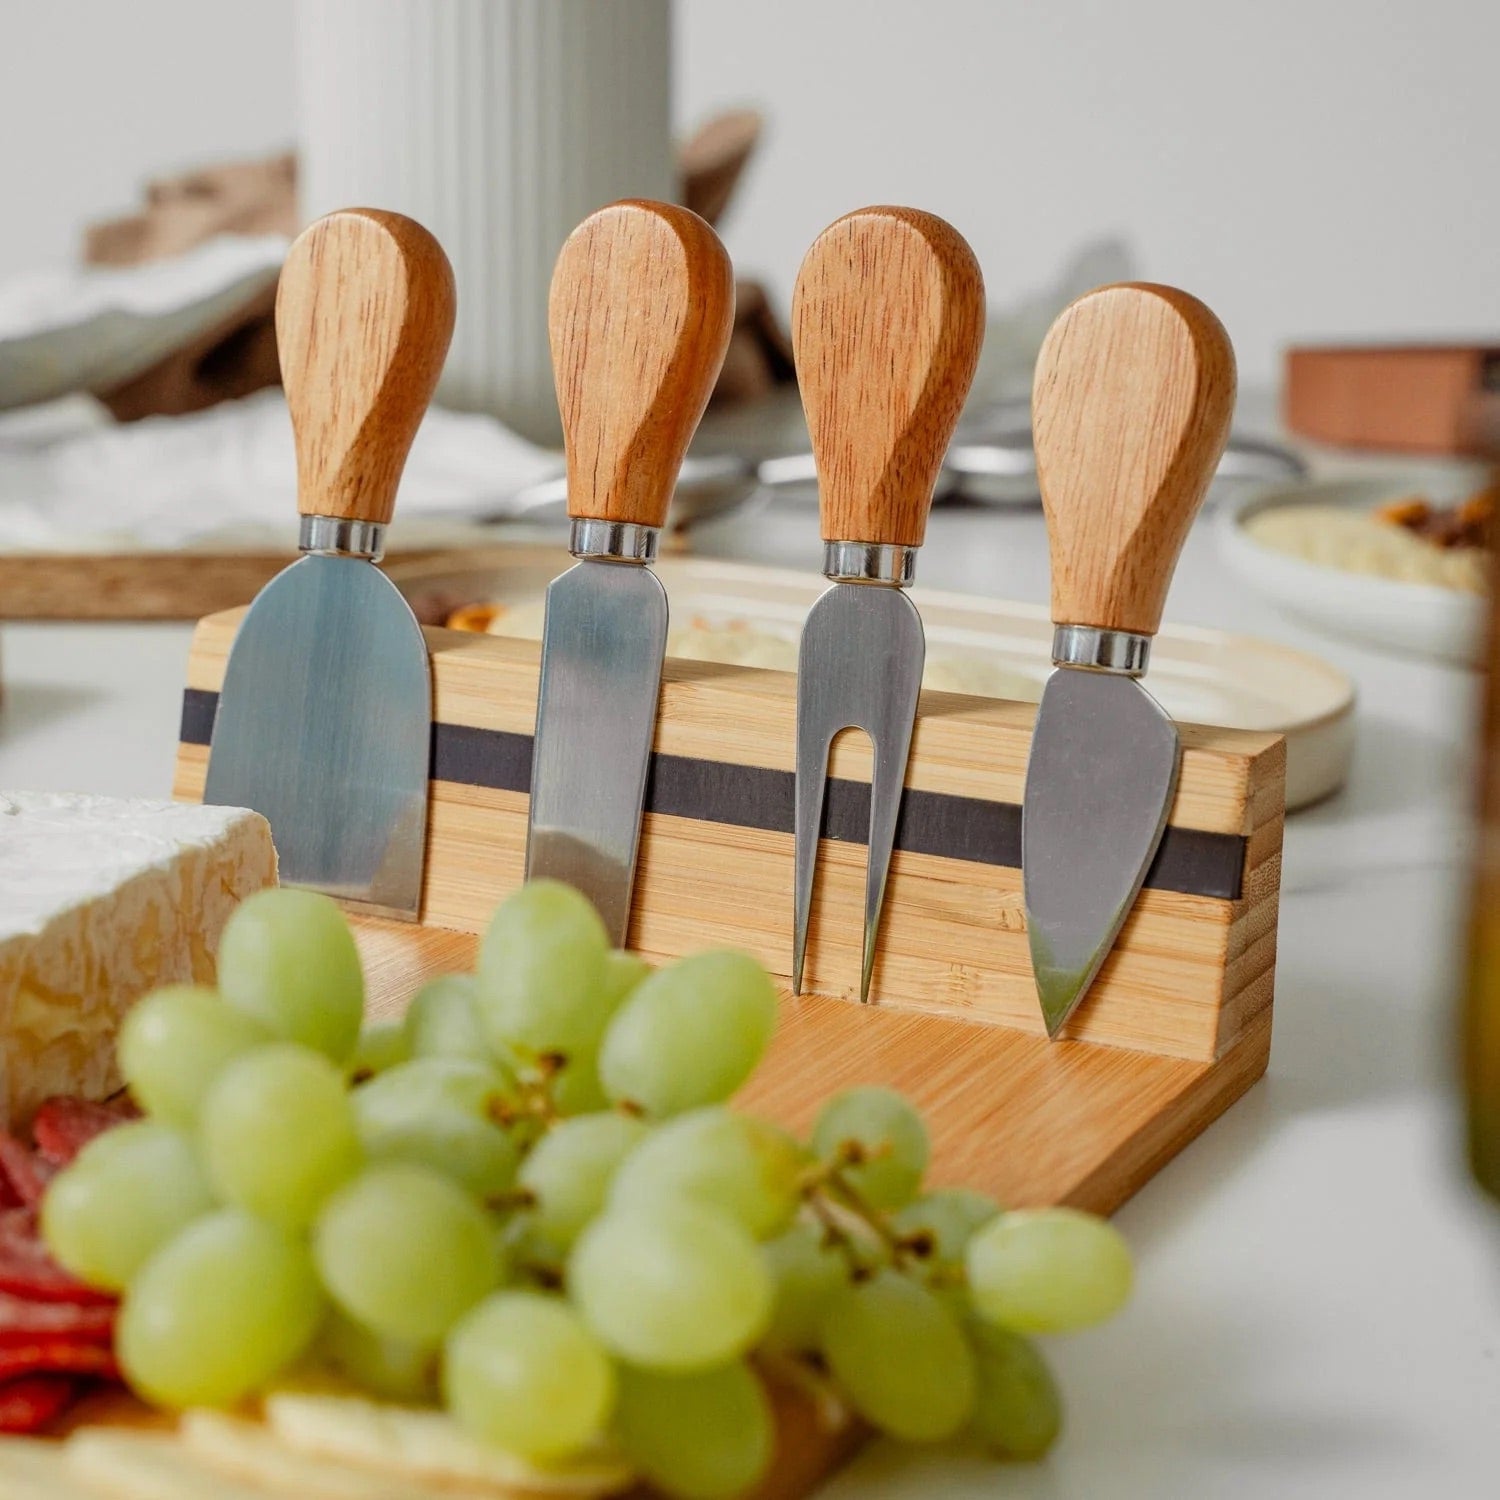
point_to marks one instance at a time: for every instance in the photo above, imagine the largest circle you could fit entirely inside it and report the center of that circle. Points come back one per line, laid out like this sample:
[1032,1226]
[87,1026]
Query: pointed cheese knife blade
[641,309]
[1131,403]
[887,320]
[325,714]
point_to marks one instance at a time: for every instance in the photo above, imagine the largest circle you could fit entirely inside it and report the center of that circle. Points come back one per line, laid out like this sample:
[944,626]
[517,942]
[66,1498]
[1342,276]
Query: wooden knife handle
[1130,411]
[887,322]
[640,313]
[364,313]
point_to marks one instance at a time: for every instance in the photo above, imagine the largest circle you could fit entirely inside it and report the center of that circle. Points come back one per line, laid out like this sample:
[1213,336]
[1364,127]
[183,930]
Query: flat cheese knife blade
[887,321]
[640,313]
[324,718]
[1131,403]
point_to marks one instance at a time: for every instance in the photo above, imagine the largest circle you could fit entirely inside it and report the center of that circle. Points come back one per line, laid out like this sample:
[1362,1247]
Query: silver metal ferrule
[613,541]
[335,536]
[1119,651]
[869,562]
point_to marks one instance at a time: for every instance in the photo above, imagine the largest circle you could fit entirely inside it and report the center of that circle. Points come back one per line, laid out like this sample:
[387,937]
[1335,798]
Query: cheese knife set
[324,718]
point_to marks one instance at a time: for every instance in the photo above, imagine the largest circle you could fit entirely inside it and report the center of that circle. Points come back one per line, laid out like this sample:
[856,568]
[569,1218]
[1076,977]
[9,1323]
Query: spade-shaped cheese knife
[325,715]
[887,320]
[641,309]
[1131,403]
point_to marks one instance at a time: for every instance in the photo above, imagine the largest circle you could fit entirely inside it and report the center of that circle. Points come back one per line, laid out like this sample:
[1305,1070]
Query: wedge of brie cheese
[101,900]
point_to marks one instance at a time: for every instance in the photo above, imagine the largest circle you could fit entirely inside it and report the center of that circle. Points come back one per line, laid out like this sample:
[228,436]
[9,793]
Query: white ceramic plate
[1200,676]
[1425,619]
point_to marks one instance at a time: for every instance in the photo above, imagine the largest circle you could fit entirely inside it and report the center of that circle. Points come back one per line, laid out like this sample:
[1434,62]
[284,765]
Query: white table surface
[1318,1308]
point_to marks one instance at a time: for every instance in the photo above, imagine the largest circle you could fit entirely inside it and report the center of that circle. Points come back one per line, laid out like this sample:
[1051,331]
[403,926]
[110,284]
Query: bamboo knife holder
[1190,976]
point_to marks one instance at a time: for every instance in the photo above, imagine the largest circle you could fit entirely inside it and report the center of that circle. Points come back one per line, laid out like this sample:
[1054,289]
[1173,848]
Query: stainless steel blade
[602,649]
[1100,781]
[859,666]
[324,726]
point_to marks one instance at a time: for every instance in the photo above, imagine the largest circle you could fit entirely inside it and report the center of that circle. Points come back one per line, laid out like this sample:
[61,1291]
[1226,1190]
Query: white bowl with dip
[1359,595]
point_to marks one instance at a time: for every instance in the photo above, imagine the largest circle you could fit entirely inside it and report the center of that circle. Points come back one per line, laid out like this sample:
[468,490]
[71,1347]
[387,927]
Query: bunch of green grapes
[529,1202]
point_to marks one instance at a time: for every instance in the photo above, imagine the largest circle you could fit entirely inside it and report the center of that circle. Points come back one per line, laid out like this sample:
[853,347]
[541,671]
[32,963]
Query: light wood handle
[1130,411]
[364,313]
[640,313]
[887,321]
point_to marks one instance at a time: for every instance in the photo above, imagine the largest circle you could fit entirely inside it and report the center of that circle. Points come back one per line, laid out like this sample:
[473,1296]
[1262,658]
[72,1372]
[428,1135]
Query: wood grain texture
[887,322]
[639,315]
[1130,410]
[364,313]
[1188,975]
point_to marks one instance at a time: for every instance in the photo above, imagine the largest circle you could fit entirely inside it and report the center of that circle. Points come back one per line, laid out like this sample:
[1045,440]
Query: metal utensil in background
[887,321]
[640,313]
[325,714]
[1134,390]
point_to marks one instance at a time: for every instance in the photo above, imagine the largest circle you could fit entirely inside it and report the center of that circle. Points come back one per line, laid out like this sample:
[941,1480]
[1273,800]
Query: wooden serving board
[181,585]
[1032,1122]
[1177,1027]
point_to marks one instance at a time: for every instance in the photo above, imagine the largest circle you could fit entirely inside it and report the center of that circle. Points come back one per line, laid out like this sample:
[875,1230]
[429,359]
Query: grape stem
[834,1200]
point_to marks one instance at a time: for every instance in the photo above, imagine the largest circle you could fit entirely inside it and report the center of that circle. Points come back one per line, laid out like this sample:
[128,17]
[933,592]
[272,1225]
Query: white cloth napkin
[73,480]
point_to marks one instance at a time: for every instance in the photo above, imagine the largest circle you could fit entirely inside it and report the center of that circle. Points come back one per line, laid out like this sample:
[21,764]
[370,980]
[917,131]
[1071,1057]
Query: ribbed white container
[499,124]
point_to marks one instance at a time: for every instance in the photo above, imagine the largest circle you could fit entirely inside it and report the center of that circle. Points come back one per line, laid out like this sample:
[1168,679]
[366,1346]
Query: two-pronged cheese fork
[887,320]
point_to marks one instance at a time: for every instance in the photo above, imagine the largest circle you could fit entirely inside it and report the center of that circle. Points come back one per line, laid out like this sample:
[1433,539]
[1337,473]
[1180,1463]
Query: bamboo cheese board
[1177,1027]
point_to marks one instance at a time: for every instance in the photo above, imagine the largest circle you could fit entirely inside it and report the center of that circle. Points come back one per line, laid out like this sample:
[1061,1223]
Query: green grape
[381,1045]
[287,958]
[1017,1408]
[678,1288]
[1048,1270]
[568,1172]
[575,1088]
[699,1437]
[945,1220]
[443,1020]
[278,1133]
[521,1371]
[689,1034]
[218,1312]
[481,1158]
[622,973]
[806,1273]
[541,971]
[887,1133]
[406,1252]
[384,1367]
[127,1193]
[173,1043]
[748,1168]
[899,1356]
[413,1089]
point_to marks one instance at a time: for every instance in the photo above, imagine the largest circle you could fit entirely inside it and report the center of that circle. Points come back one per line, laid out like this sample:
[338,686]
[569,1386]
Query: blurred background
[1303,165]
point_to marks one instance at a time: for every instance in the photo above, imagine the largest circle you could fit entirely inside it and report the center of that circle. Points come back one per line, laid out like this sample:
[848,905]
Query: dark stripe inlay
[1189,861]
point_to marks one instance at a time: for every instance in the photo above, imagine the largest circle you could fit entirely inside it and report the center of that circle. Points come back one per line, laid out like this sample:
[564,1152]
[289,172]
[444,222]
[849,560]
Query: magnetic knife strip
[1189,860]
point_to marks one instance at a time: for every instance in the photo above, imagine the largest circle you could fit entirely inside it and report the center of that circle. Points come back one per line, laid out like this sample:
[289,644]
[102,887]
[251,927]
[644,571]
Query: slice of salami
[29,1402]
[63,1126]
[58,1356]
[27,1270]
[26,1174]
[23,1320]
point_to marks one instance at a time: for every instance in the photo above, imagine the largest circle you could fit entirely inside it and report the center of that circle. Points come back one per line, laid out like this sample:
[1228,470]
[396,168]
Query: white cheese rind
[101,900]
